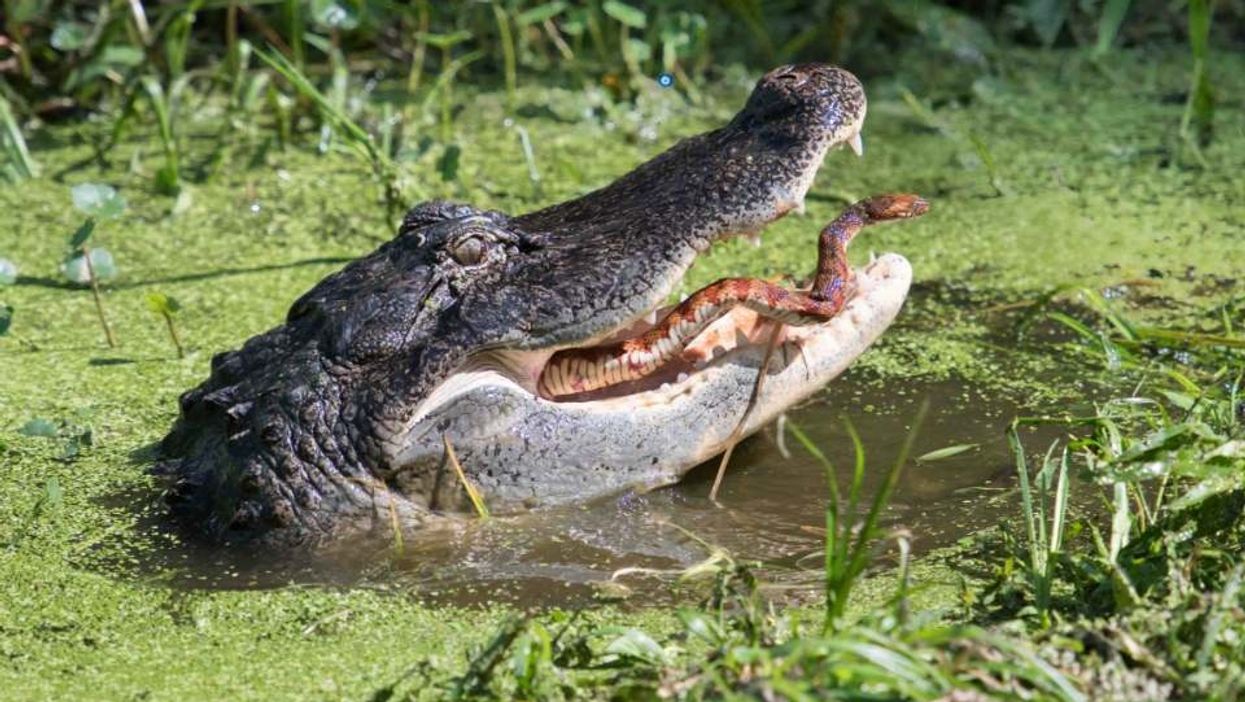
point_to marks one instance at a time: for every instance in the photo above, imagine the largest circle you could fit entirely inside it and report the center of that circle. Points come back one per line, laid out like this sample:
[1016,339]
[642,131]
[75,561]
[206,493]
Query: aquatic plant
[442,89]
[89,264]
[72,437]
[18,163]
[848,544]
[168,178]
[1198,120]
[1045,516]
[167,308]
[355,136]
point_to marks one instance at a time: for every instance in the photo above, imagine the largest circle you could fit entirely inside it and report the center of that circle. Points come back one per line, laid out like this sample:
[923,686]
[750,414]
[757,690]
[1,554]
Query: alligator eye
[469,251]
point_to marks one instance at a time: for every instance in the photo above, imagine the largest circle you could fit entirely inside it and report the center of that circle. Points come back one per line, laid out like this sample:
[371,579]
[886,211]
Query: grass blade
[473,493]
[22,165]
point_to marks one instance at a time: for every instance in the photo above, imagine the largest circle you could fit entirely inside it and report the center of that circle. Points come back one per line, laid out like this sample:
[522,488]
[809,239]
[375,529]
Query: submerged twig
[743,420]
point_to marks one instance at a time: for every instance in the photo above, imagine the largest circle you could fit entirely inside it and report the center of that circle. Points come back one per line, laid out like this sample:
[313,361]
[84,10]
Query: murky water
[770,510]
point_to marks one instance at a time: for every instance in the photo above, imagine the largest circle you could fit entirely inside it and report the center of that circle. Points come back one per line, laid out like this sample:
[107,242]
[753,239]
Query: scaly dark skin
[334,422]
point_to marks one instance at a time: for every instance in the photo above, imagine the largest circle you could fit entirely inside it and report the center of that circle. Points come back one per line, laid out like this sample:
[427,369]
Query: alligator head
[341,419]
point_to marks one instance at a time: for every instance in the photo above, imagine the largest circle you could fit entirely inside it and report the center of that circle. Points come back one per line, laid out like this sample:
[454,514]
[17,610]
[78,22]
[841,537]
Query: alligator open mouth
[669,344]
[741,340]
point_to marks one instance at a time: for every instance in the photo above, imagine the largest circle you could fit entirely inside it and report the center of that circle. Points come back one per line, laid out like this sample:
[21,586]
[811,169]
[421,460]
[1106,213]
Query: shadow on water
[770,511]
[44,282]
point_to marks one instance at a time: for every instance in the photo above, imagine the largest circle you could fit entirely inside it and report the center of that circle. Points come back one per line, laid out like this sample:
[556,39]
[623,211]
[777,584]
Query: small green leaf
[83,234]
[51,498]
[68,36]
[38,427]
[637,645]
[8,272]
[6,319]
[626,14]
[74,268]
[98,200]
[947,452]
[336,15]
[162,304]
[53,493]
[639,49]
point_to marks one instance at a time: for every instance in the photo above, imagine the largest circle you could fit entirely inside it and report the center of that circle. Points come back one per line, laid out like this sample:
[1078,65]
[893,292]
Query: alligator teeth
[755,239]
[651,318]
[681,378]
[857,144]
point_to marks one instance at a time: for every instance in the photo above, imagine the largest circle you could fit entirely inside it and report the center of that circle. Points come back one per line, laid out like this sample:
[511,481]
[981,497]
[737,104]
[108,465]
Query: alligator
[483,356]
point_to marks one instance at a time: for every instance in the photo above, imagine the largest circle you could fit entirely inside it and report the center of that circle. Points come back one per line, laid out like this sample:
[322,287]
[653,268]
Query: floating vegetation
[87,264]
[72,438]
[167,308]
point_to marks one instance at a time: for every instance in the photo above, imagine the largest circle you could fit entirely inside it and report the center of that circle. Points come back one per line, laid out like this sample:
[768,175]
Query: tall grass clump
[332,111]
[849,544]
[18,163]
[1044,510]
[1197,124]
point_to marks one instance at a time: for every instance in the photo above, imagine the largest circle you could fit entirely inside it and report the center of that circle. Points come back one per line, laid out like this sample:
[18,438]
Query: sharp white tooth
[681,378]
[799,207]
[664,386]
[873,256]
[683,297]
[755,239]
[652,317]
[857,144]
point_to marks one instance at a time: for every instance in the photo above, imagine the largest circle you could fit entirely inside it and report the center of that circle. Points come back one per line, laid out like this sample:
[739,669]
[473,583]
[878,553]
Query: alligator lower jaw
[803,359]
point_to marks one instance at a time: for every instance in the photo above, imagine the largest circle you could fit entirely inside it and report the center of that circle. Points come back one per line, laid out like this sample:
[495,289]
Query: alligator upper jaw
[713,368]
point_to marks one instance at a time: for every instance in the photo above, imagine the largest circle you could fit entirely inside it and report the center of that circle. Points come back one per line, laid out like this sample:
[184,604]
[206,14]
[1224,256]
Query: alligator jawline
[741,331]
